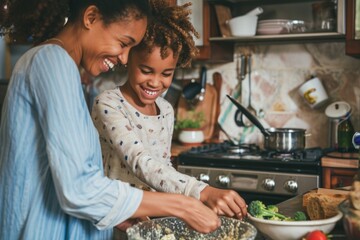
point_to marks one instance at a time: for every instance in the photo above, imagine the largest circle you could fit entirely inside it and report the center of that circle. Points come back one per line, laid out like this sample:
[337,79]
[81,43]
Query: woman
[52,183]
[136,124]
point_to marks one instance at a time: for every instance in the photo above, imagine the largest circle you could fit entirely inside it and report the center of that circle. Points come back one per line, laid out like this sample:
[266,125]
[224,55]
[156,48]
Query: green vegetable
[300,216]
[273,208]
[259,210]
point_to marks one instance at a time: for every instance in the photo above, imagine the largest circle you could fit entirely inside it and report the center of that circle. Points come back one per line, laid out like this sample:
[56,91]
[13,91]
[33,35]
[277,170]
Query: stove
[253,172]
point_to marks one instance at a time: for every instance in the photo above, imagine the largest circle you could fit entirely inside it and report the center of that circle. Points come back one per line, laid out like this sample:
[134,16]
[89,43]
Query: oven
[254,173]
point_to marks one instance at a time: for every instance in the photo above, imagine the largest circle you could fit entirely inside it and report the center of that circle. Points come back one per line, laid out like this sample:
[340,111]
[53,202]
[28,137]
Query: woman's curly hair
[170,28]
[39,20]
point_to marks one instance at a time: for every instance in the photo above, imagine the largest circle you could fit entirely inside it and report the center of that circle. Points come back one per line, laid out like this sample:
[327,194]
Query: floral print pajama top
[136,148]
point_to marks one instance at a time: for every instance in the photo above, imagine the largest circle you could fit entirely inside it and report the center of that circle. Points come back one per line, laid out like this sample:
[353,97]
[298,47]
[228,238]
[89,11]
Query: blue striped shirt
[52,184]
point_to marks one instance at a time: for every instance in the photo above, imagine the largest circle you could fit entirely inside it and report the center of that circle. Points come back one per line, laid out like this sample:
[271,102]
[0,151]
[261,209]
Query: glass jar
[345,134]
[356,144]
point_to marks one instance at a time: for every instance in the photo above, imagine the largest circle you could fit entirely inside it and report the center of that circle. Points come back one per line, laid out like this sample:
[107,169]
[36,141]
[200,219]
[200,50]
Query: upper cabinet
[353,28]
[205,23]
[283,20]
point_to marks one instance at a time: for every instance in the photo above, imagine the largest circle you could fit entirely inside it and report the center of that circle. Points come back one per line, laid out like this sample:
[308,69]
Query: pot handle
[251,117]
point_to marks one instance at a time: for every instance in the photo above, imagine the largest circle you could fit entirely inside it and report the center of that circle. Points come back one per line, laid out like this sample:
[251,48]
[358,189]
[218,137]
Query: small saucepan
[283,140]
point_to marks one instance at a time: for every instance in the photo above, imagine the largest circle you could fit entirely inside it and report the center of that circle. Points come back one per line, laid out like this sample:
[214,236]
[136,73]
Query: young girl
[136,124]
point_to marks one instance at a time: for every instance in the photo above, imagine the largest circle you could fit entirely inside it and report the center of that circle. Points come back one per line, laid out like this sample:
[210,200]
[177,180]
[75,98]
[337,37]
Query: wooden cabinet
[339,171]
[213,51]
[338,177]
[283,9]
[352,36]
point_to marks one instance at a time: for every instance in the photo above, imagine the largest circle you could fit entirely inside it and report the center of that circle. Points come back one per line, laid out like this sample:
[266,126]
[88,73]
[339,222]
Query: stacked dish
[273,26]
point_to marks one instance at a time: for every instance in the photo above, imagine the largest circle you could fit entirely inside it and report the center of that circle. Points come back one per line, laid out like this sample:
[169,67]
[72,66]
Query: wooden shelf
[283,38]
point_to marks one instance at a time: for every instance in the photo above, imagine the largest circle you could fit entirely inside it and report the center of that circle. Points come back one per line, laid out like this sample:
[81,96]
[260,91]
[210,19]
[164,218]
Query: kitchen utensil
[241,67]
[250,108]
[251,117]
[174,228]
[195,91]
[281,140]
[313,92]
[243,26]
[254,12]
[217,79]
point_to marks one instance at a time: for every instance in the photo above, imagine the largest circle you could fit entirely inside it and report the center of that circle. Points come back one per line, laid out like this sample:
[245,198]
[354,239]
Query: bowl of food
[294,225]
[171,228]
[293,230]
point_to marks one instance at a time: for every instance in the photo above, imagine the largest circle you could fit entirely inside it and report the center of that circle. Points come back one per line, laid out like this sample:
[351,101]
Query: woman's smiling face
[148,75]
[109,45]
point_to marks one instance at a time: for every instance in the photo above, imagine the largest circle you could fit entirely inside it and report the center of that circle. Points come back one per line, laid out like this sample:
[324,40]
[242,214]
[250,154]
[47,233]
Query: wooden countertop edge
[339,162]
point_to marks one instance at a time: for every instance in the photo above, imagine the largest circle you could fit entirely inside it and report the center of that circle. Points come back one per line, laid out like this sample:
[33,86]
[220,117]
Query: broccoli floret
[259,210]
[273,208]
[300,216]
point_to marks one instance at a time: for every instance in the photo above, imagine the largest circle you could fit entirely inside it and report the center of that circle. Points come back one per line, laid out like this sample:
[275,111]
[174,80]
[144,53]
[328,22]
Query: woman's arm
[192,211]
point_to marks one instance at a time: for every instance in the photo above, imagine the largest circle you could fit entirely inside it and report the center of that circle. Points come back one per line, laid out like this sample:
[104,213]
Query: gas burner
[243,149]
[290,156]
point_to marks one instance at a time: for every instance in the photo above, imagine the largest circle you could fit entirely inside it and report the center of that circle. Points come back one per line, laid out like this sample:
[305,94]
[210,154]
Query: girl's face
[106,46]
[148,76]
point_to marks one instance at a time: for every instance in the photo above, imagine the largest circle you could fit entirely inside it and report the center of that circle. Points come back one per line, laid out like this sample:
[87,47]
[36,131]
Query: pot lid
[338,109]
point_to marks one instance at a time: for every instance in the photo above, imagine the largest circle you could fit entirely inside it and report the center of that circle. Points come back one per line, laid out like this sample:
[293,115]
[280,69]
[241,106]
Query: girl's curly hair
[39,20]
[170,28]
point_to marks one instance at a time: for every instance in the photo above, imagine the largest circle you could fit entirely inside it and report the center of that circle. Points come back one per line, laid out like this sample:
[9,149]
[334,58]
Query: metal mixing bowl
[174,228]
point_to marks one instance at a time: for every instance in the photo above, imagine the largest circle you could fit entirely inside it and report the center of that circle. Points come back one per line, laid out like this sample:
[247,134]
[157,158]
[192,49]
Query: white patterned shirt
[137,148]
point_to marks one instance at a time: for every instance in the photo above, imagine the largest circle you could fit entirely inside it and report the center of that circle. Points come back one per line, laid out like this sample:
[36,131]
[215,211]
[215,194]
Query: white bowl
[292,230]
[191,136]
[243,26]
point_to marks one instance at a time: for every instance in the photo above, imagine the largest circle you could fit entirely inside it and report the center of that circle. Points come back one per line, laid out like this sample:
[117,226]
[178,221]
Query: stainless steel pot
[283,140]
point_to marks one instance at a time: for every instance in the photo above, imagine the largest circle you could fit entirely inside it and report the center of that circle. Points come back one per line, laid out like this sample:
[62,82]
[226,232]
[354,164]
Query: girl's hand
[224,202]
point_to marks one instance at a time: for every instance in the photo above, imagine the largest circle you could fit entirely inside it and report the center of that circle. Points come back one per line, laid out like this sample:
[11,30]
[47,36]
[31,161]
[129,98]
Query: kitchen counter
[177,148]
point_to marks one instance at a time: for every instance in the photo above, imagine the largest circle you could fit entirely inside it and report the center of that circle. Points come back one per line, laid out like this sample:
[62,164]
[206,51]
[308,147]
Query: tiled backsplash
[277,73]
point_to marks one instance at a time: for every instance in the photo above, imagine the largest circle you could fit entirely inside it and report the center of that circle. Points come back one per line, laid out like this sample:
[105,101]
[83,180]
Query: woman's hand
[193,212]
[198,216]
[224,202]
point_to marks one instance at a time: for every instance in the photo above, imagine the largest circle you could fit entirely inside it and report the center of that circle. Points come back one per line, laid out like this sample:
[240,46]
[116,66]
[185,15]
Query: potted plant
[189,129]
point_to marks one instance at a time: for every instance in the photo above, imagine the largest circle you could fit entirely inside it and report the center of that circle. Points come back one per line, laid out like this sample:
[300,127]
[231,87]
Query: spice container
[336,113]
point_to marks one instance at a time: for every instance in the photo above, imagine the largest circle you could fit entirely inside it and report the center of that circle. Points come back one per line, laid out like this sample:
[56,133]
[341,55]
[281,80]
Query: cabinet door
[353,27]
[338,177]
[213,51]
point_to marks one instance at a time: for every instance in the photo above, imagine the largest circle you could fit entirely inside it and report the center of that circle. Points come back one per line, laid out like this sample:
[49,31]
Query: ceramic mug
[313,92]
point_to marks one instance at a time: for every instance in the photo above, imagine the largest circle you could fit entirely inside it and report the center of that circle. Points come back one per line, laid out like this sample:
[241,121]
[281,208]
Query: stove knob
[268,184]
[223,180]
[291,186]
[203,177]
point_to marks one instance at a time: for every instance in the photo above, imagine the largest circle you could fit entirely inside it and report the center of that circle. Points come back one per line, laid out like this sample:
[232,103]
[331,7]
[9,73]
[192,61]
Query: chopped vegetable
[300,216]
[259,210]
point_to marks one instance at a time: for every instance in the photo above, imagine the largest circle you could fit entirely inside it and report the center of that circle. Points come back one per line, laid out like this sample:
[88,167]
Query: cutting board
[207,106]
